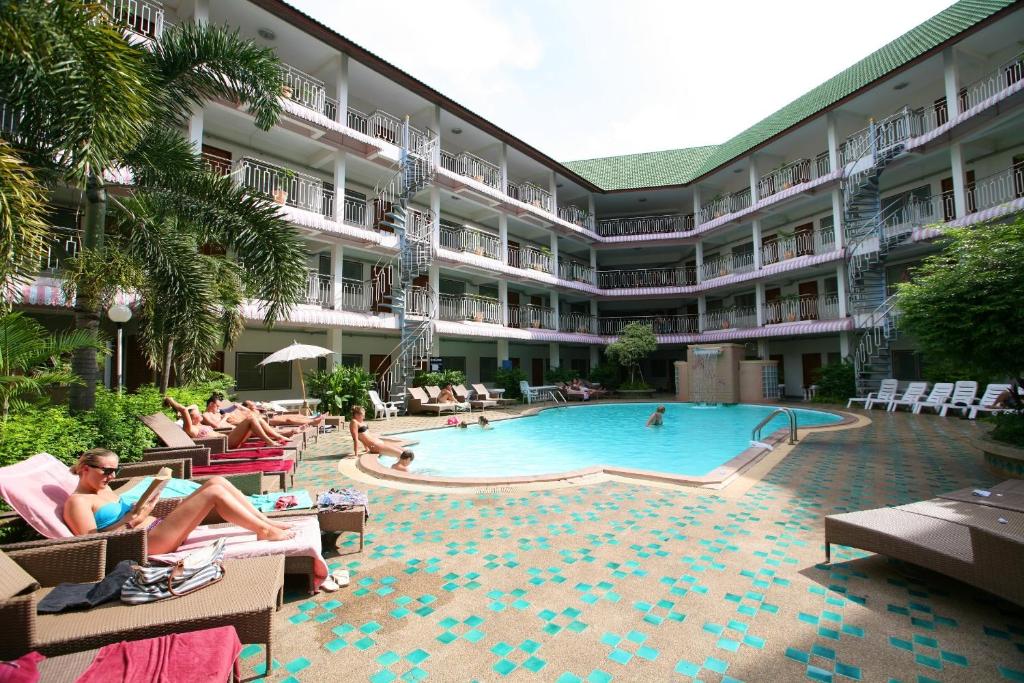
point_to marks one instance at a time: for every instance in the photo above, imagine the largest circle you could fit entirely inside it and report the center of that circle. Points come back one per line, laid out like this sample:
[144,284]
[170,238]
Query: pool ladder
[755,434]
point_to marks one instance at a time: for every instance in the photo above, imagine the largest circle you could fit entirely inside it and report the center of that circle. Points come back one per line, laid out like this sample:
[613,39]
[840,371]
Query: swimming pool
[693,441]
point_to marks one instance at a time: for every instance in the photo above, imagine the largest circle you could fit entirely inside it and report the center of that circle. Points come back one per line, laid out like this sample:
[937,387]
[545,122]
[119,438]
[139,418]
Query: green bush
[439,379]
[836,383]
[116,419]
[635,386]
[607,375]
[340,389]
[1009,429]
[561,375]
[509,381]
[49,430]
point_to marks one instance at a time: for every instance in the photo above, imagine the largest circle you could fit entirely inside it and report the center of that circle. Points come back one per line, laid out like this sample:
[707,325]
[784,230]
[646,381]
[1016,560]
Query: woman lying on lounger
[192,423]
[373,443]
[95,507]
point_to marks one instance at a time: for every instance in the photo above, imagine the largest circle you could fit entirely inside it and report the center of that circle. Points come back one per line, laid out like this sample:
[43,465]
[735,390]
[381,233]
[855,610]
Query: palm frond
[23,229]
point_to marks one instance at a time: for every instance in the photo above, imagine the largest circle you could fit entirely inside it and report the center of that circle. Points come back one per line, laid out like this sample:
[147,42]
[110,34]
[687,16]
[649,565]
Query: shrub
[607,375]
[561,375]
[116,419]
[509,381]
[340,389]
[635,342]
[836,383]
[439,379]
[49,430]
[1009,429]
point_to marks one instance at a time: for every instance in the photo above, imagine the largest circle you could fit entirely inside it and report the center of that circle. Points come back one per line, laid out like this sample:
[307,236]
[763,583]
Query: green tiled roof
[674,167]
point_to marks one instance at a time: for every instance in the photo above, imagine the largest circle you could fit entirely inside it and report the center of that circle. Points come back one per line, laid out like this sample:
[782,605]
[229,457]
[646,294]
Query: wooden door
[769,249]
[948,205]
[513,309]
[379,365]
[513,254]
[809,300]
[537,371]
[382,293]
[804,238]
[812,368]
[772,309]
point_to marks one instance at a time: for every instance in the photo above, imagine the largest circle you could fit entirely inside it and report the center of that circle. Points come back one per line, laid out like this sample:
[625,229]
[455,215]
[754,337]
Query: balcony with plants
[793,307]
[531,316]
[637,278]
[727,264]
[469,307]
[530,193]
[472,166]
[645,225]
[660,324]
[577,323]
[286,186]
[576,216]
[576,271]
[732,317]
[469,240]
[531,257]
[785,245]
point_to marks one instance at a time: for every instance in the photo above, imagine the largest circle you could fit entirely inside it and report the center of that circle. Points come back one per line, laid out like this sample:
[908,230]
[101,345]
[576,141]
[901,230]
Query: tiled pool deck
[622,581]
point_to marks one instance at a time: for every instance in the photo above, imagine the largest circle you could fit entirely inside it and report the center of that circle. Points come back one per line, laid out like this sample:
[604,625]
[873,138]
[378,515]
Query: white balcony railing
[736,318]
[465,239]
[645,225]
[419,302]
[727,264]
[357,120]
[354,213]
[143,17]
[576,216]
[785,177]
[308,91]
[574,270]
[296,189]
[62,244]
[531,316]
[579,323]
[530,257]
[788,246]
[715,208]
[660,324]
[678,276]
[822,165]
[806,307]
[995,189]
[985,87]
[529,193]
[474,167]
[481,309]
[321,291]
[384,126]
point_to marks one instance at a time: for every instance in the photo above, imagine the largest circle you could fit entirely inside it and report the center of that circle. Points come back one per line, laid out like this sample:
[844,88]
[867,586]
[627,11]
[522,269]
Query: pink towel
[242,467]
[24,669]
[200,656]
[249,453]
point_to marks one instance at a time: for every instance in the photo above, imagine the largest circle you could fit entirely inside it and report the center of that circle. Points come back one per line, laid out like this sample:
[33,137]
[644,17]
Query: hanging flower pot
[286,91]
[280,196]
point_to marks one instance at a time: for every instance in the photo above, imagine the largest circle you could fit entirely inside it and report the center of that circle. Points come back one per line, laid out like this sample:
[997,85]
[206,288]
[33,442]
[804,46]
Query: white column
[762,349]
[502,351]
[554,357]
[553,188]
[434,124]
[956,159]
[554,254]
[435,209]
[756,236]
[337,272]
[503,237]
[503,298]
[339,186]
[754,177]
[341,88]
[841,290]
[700,261]
[201,12]
[951,79]
[845,347]
[759,301]
[833,142]
[702,309]
[595,356]
[434,282]
[592,211]
[837,217]
[503,165]
[195,129]
[555,310]
[696,207]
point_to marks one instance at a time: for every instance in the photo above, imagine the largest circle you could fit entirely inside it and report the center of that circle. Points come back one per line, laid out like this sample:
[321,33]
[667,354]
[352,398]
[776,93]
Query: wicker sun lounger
[245,598]
[419,402]
[173,436]
[981,545]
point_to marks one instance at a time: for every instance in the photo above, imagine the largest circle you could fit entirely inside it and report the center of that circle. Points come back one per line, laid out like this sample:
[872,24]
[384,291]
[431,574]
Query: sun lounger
[434,393]
[419,402]
[462,393]
[245,598]
[886,392]
[979,544]
[987,402]
[172,435]
[965,393]
[915,392]
[483,394]
[938,397]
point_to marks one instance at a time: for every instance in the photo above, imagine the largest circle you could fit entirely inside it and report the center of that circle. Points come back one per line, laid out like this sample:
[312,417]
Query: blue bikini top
[111,513]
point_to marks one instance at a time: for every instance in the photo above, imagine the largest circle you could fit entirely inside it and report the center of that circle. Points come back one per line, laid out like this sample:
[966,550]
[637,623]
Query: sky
[580,79]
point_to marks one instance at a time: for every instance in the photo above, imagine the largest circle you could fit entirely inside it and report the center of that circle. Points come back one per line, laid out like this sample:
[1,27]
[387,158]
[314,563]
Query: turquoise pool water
[693,440]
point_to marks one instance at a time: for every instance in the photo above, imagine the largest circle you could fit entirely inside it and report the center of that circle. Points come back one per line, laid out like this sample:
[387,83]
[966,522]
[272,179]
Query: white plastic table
[297,403]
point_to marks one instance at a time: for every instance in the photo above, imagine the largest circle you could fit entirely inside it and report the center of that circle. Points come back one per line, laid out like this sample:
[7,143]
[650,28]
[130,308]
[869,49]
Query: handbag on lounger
[196,570]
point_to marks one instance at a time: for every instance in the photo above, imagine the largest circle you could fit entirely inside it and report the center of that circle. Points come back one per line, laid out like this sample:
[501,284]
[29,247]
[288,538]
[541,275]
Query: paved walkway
[625,582]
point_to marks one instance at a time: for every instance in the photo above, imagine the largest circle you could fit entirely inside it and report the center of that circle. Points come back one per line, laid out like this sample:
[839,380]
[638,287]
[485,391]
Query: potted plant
[286,91]
[479,250]
[725,323]
[478,316]
[535,323]
[284,181]
[786,238]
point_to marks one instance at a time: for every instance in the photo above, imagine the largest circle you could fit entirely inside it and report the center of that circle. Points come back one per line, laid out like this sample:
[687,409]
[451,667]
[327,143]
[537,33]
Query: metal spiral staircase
[869,242]
[415,255]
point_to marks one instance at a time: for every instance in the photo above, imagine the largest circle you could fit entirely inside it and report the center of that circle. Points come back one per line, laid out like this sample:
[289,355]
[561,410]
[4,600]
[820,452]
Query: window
[251,376]
[352,270]
[451,286]
[488,369]
[745,300]
[355,359]
[491,292]
[580,365]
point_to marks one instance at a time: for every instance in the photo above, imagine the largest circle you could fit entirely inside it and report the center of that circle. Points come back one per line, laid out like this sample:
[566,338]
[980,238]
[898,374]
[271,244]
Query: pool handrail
[755,434]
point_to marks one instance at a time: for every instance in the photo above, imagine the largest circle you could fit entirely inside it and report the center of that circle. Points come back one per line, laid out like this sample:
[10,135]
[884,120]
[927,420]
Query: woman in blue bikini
[95,507]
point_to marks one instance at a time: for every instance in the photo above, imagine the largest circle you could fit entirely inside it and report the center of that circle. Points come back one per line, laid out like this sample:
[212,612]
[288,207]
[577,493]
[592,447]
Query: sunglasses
[107,471]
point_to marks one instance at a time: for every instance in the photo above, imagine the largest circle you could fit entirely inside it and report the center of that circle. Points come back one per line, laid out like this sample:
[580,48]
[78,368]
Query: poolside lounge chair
[482,394]
[246,598]
[462,393]
[963,540]
[886,392]
[965,393]
[940,393]
[434,392]
[915,392]
[381,408]
[419,402]
[987,402]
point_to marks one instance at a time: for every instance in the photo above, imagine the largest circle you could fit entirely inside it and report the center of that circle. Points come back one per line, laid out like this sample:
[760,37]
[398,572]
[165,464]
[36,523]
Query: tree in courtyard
[98,111]
[963,305]
[636,342]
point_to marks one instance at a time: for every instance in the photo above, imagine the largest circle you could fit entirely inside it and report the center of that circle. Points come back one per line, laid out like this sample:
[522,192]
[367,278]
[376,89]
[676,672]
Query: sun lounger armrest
[82,562]
[180,469]
[122,544]
[17,626]
[216,444]
[197,456]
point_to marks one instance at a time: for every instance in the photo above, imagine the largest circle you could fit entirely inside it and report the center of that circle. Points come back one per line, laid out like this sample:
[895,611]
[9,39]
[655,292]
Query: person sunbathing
[192,423]
[221,414]
[287,420]
[95,507]
[361,435]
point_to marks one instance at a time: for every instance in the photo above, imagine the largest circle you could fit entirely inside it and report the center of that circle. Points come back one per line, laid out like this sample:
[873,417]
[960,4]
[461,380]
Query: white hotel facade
[787,238]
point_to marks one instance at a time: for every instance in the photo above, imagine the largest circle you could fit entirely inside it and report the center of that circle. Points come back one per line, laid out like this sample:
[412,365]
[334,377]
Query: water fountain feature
[704,378]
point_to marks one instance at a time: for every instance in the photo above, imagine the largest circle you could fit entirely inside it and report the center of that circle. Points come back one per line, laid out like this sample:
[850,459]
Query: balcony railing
[479,242]
[576,216]
[308,91]
[645,225]
[357,120]
[806,307]
[474,167]
[579,323]
[1001,78]
[785,247]
[574,270]
[530,257]
[143,17]
[822,165]
[785,177]
[419,302]
[736,318]
[660,324]
[996,189]
[715,208]
[354,213]
[727,264]
[295,189]
[481,309]
[217,164]
[320,291]
[62,244]
[531,316]
[531,194]
[678,276]
[388,127]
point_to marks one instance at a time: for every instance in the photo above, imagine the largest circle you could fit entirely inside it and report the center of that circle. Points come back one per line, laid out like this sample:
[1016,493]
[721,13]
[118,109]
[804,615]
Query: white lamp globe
[119,313]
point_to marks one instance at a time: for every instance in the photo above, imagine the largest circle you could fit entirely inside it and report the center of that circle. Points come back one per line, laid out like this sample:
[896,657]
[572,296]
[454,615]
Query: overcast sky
[590,78]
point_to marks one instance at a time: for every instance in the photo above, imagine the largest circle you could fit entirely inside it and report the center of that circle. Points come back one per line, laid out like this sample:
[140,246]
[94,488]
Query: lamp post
[120,314]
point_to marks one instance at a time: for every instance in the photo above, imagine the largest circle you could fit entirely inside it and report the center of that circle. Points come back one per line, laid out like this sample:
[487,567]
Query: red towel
[249,453]
[242,467]
[24,669]
[208,655]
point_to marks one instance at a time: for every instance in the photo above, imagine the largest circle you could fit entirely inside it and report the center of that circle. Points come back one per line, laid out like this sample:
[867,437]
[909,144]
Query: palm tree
[32,359]
[93,102]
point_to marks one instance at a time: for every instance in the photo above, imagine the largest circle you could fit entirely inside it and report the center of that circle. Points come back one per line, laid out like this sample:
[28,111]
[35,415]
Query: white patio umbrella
[297,352]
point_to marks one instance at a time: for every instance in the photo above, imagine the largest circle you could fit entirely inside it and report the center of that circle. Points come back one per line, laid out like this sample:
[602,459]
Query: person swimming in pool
[655,420]
[483,422]
[404,460]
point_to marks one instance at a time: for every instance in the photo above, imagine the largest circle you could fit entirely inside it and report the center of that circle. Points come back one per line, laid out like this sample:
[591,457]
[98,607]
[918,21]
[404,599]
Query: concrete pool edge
[717,479]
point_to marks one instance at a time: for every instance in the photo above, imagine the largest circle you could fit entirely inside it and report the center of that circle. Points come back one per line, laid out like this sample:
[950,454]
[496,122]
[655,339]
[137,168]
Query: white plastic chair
[529,393]
[936,399]
[987,402]
[387,409]
[915,392]
[886,392]
[965,393]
